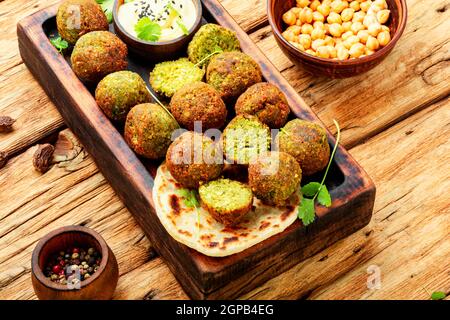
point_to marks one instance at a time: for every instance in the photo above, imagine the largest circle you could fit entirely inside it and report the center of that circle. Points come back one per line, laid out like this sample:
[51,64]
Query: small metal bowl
[102,283]
[157,51]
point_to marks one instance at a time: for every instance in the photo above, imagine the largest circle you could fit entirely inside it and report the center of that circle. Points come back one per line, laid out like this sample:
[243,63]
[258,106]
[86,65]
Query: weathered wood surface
[407,156]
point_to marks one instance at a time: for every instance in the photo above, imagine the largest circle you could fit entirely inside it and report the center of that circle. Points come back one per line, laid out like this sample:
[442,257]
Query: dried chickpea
[338,42]
[347,14]
[296,30]
[306,15]
[333,52]
[346,35]
[346,26]
[314,5]
[336,30]
[303,3]
[356,27]
[324,9]
[334,17]
[311,52]
[338,5]
[317,43]
[296,10]
[369,52]
[297,45]
[383,38]
[363,35]
[372,43]
[374,29]
[326,27]
[380,3]
[305,40]
[365,6]
[317,34]
[358,16]
[329,41]
[317,16]
[289,36]
[357,50]
[318,25]
[307,28]
[342,53]
[383,16]
[385,28]
[323,52]
[354,5]
[351,41]
[369,19]
[290,18]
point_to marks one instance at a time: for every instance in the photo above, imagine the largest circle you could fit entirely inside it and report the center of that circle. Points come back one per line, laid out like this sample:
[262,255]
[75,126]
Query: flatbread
[197,229]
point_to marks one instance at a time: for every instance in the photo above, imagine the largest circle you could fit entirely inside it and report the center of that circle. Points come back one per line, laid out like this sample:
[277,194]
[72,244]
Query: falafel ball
[228,201]
[87,12]
[274,177]
[307,142]
[198,102]
[118,92]
[211,38]
[98,54]
[170,76]
[244,138]
[148,130]
[265,101]
[193,159]
[231,73]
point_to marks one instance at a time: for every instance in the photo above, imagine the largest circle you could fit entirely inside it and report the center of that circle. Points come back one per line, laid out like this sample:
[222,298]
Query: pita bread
[197,229]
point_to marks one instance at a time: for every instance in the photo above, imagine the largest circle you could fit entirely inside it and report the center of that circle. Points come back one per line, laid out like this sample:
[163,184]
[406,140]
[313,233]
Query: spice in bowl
[73,265]
[338,29]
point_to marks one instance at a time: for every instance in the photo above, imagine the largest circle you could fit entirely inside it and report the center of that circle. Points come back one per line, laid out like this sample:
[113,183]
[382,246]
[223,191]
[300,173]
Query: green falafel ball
[193,159]
[118,92]
[244,138]
[307,142]
[88,13]
[228,201]
[265,101]
[274,177]
[149,129]
[170,76]
[211,38]
[198,103]
[231,73]
[97,54]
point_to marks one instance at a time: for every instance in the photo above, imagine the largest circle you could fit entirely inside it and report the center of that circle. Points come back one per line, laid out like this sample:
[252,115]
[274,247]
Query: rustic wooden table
[396,123]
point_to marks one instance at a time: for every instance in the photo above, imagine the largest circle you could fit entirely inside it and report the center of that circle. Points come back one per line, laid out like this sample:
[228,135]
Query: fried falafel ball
[211,38]
[265,101]
[198,102]
[98,54]
[170,76]
[228,201]
[118,92]
[231,73]
[88,13]
[149,129]
[244,138]
[274,177]
[307,142]
[193,159]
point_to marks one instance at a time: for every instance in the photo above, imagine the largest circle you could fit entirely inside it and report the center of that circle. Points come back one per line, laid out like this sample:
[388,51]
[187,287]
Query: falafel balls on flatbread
[197,229]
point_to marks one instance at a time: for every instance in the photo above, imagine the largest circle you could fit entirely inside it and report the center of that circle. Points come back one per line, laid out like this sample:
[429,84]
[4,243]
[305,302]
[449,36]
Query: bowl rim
[37,270]
[349,62]
[117,24]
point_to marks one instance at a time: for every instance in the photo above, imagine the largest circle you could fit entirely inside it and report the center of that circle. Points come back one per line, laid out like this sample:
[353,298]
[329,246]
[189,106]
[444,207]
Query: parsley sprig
[315,190]
[190,198]
[59,43]
[148,30]
[107,7]
[438,295]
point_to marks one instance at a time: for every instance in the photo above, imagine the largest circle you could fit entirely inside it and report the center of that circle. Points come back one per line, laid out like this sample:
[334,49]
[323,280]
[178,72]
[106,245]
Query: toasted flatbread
[196,228]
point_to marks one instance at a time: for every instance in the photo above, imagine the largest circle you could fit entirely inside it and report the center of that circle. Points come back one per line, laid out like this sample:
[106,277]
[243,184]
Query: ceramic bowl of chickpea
[337,38]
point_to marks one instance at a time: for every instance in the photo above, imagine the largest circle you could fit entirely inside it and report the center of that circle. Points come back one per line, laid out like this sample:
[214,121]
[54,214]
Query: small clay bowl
[157,51]
[329,67]
[102,283]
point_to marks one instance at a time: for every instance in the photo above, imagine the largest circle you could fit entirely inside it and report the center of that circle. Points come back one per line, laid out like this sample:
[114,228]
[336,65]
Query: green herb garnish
[190,198]
[315,190]
[217,51]
[107,7]
[148,30]
[182,26]
[438,295]
[59,43]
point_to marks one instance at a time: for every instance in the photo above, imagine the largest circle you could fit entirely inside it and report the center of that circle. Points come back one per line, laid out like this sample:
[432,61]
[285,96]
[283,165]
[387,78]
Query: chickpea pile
[338,29]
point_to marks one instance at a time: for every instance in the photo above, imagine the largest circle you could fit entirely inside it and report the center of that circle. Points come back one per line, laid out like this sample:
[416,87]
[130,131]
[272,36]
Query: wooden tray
[202,277]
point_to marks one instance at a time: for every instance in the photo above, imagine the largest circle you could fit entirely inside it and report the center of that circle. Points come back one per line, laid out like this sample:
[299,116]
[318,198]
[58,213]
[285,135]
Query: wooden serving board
[202,277]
